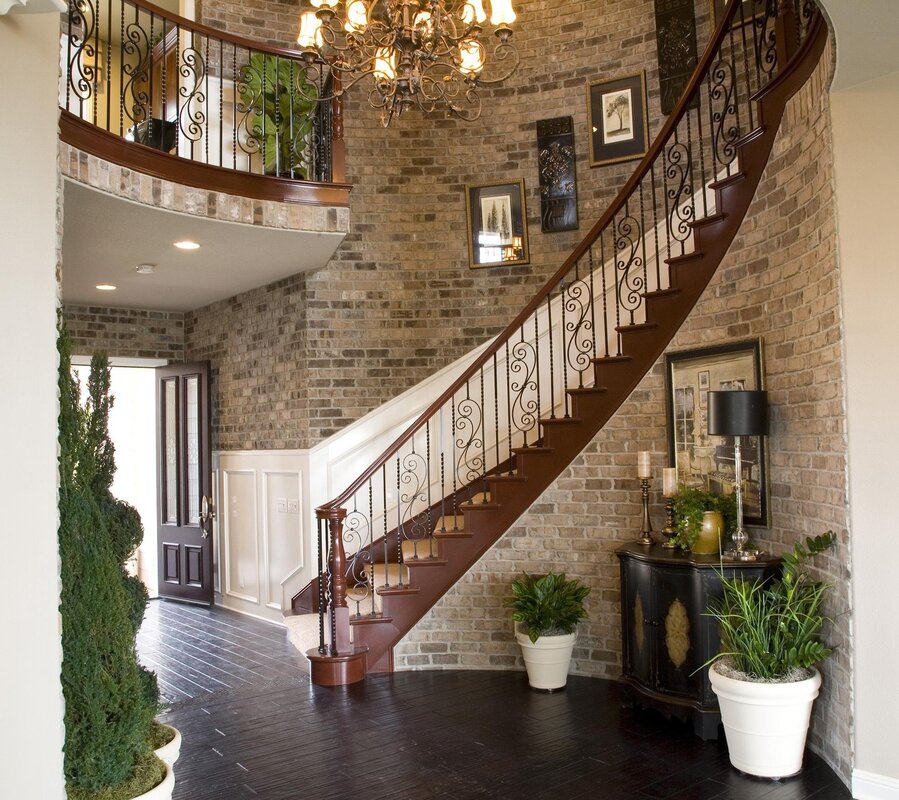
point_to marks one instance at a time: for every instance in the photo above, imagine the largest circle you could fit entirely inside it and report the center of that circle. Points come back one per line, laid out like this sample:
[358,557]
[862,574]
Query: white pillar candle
[643,468]
[669,481]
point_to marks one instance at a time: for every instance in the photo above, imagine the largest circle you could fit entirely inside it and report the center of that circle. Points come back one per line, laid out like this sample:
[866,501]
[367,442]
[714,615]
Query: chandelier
[425,53]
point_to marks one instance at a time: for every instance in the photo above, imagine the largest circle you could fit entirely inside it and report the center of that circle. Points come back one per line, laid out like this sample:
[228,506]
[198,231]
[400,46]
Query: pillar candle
[643,468]
[669,481]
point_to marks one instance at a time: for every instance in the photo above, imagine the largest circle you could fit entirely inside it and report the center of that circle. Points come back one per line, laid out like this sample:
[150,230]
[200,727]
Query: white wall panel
[283,526]
[241,535]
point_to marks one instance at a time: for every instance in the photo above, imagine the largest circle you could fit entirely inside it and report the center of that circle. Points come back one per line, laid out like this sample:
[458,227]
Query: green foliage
[548,605]
[275,91]
[109,702]
[770,631]
[691,504]
[147,773]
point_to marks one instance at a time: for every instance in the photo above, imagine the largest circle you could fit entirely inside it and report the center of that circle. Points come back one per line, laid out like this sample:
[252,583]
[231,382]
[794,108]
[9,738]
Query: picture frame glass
[704,461]
[497,224]
[616,111]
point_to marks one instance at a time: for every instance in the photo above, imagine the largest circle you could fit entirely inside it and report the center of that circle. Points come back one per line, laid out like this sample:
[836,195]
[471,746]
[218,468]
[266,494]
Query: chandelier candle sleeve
[644,468]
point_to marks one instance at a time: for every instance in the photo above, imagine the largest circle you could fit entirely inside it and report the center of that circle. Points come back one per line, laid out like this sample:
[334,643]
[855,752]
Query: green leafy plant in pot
[548,609]
[764,674]
[280,104]
[690,506]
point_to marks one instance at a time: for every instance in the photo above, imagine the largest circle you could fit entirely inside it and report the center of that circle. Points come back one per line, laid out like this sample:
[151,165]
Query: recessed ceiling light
[187,244]
[106,287]
[145,269]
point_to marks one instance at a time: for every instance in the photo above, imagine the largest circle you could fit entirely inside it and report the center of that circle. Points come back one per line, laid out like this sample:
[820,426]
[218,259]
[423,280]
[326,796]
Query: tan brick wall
[125,332]
[779,282]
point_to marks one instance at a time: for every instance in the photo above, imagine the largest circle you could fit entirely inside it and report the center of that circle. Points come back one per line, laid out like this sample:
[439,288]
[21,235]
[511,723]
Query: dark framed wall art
[616,111]
[705,461]
[497,224]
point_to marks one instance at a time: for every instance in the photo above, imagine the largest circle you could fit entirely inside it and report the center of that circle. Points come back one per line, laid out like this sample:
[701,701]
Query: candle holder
[669,523]
[646,531]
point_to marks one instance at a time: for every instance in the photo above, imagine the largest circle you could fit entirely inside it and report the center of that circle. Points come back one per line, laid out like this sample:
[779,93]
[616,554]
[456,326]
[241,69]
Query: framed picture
[707,461]
[751,10]
[497,224]
[617,114]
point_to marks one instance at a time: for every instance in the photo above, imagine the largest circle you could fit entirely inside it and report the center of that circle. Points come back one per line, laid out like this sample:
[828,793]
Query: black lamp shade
[738,413]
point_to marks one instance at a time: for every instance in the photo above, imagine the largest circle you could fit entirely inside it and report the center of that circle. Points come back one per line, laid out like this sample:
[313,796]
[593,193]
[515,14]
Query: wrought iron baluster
[321,586]
[592,301]
[453,453]
[643,242]
[537,350]
[552,368]
[483,436]
[496,411]
[371,543]
[429,528]
[508,384]
[108,79]
[564,349]
[655,226]
[384,518]
[605,293]
[400,535]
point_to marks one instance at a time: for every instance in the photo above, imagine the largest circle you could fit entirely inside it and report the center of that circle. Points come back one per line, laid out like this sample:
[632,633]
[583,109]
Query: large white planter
[162,791]
[169,752]
[547,660]
[765,723]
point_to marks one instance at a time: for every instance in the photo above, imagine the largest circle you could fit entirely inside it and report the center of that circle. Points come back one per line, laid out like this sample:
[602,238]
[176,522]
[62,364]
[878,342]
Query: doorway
[132,428]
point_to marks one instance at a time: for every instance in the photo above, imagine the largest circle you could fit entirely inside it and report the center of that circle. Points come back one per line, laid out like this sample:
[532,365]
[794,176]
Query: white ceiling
[867,34]
[106,237]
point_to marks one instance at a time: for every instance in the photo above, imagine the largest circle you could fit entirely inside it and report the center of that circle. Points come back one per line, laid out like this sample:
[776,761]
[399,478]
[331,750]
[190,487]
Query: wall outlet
[281,505]
[293,506]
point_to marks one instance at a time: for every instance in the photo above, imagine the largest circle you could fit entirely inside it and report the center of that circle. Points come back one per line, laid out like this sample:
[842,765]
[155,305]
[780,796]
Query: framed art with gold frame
[497,225]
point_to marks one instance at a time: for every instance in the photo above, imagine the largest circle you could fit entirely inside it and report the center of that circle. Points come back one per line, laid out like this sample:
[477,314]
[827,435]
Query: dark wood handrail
[653,154]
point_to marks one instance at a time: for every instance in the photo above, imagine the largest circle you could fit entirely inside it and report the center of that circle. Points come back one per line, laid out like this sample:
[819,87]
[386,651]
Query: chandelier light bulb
[473,11]
[385,64]
[471,56]
[310,37]
[356,17]
[502,15]
[423,20]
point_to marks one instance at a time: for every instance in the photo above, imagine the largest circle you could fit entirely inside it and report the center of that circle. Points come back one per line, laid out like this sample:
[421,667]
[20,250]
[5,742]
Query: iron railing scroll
[525,377]
[217,102]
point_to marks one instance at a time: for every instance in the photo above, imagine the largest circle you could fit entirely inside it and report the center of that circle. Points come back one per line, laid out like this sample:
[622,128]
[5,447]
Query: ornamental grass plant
[772,632]
[548,605]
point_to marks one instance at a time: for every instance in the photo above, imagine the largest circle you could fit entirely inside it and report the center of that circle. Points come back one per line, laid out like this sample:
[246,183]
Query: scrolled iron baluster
[136,66]
[413,475]
[577,301]
[82,51]
[524,365]
[628,265]
[679,189]
[191,116]
[726,128]
[468,434]
[249,107]
[357,541]
[766,39]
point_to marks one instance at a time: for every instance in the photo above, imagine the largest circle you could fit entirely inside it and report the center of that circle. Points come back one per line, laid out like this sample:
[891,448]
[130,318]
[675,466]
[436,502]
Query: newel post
[338,611]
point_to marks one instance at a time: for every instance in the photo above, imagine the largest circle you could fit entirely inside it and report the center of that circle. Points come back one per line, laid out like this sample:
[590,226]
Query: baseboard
[871,786]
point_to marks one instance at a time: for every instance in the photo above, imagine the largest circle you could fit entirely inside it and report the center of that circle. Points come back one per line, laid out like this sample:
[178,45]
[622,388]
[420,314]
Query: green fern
[548,605]
[769,631]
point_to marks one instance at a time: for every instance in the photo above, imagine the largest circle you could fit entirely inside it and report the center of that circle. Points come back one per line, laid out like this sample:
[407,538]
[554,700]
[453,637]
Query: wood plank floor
[254,727]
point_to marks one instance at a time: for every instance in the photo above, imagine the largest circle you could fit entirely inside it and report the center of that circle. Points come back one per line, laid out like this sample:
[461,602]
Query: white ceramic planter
[765,723]
[547,660]
[162,791]
[170,752]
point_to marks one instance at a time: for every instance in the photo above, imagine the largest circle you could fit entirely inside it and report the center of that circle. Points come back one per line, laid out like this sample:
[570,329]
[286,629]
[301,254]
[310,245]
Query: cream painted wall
[31,704]
[866,166]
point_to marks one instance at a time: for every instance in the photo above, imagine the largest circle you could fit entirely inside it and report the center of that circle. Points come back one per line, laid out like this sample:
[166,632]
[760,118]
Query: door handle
[207,513]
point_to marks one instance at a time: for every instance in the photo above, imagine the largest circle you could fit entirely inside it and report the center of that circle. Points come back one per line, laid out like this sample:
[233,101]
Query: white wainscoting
[870,786]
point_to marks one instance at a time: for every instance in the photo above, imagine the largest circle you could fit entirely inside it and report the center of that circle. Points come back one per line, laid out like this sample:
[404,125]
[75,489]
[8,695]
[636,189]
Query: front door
[184,483]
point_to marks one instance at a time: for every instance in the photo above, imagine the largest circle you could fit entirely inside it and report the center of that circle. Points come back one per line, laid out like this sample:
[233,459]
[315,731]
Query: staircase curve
[436,500]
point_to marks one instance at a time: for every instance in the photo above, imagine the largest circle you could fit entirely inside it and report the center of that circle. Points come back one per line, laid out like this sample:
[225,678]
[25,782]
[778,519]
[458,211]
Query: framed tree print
[497,224]
[616,111]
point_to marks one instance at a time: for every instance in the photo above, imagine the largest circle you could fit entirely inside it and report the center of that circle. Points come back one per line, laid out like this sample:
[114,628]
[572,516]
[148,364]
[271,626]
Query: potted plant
[765,675]
[547,610]
[110,700]
[690,507]
[280,103]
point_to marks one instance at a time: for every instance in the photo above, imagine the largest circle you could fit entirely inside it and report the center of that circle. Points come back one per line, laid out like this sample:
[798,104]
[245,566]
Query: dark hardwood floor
[254,727]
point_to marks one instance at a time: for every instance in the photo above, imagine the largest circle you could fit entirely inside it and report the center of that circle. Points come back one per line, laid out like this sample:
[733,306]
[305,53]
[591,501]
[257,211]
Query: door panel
[184,483]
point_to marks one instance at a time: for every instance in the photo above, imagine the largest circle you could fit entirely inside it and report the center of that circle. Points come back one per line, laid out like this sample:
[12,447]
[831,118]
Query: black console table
[665,635]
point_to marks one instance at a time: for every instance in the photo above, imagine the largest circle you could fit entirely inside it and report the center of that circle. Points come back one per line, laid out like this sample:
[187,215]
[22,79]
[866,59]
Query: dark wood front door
[184,483]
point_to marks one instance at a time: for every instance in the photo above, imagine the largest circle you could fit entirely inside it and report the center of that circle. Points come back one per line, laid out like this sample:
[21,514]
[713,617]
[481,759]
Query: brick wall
[126,333]
[779,282]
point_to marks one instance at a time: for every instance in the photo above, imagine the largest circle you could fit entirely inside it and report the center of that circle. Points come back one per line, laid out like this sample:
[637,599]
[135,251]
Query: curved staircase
[418,518]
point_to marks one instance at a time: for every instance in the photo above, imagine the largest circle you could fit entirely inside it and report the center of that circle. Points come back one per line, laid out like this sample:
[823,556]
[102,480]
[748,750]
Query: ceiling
[106,237]
[867,34]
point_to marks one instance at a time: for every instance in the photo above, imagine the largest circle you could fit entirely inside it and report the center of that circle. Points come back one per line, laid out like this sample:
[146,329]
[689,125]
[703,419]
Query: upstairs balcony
[145,92]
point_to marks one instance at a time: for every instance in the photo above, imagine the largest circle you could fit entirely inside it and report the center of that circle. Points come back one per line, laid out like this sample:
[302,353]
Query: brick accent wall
[126,332]
[780,282]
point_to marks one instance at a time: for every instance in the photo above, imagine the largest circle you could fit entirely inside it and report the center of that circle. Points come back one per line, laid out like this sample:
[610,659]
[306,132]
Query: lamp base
[645,539]
[742,555]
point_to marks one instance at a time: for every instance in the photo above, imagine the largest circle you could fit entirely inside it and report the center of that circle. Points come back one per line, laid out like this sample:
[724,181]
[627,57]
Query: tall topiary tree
[109,705]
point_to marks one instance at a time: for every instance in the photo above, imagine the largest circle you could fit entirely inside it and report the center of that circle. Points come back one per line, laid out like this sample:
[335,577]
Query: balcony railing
[152,91]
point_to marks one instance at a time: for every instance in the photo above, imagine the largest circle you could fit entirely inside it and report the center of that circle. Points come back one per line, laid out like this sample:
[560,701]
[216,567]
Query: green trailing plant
[110,701]
[548,605]
[690,504]
[773,632]
[280,102]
